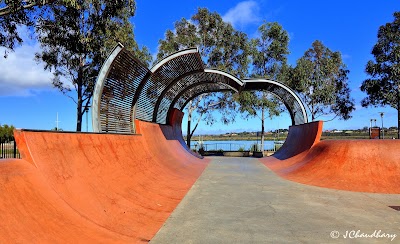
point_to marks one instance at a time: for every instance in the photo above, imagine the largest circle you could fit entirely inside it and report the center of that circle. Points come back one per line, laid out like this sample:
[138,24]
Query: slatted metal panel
[125,88]
[197,90]
[163,74]
[209,76]
[120,87]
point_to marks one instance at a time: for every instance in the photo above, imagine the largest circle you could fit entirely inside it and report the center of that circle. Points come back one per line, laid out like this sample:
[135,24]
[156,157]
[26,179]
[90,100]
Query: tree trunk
[195,127]
[79,102]
[188,136]
[79,114]
[312,112]
[262,130]
[262,124]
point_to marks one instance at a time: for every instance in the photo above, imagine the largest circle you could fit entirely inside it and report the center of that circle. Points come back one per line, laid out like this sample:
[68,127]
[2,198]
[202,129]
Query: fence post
[15,149]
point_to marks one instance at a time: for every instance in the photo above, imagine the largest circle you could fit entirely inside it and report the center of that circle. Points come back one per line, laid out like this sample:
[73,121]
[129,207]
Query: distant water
[231,145]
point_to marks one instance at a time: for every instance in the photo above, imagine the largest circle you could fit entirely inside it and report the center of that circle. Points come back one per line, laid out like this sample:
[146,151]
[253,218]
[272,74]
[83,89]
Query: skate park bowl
[121,182]
[354,165]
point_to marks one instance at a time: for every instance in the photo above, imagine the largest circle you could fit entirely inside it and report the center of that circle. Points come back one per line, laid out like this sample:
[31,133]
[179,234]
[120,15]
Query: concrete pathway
[239,200]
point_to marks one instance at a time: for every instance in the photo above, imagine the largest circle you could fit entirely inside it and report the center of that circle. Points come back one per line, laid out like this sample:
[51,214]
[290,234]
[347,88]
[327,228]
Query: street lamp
[383,133]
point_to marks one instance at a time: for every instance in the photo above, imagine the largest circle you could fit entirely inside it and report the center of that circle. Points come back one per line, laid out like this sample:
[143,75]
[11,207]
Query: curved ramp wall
[32,212]
[113,187]
[175,120]
[353,165]
[300,139]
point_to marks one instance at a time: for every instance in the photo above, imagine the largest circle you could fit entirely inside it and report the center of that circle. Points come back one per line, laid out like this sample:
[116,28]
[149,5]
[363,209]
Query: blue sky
[28,100]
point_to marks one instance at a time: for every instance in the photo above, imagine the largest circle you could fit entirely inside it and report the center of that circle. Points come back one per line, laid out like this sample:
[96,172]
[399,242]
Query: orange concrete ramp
[354,165]
[87,187]
[90,187]
[300,139]
[32,212]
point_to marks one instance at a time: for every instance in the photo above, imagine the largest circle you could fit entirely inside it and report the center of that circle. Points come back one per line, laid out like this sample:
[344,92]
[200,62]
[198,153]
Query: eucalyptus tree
[269,61]
[75,38]
[321,78]
[12,15]
[18,13]
[383,88]
[221,47]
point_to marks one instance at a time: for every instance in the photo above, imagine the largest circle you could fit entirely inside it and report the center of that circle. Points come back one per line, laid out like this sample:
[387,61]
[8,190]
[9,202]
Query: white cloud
[346,56]
[20,75]
[243,13]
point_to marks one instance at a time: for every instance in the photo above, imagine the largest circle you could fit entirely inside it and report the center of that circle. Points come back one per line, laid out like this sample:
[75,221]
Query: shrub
[201,150]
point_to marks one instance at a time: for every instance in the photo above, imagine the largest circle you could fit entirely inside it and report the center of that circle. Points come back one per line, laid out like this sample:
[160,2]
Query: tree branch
[195,127]
[30,4]
[330,119]
[73,99]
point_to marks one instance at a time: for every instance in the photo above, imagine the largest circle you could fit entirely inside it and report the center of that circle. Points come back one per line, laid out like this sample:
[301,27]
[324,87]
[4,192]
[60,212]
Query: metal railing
[8,149]
[223,146]
[227,146]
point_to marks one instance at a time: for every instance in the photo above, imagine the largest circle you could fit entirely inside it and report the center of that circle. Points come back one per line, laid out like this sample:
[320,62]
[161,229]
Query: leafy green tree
[15,13]
[270,50]
[321,78]
[76,37]
[12,14]
[269,55]
[221,47]
[206,104]
[383,88]
[6,133]
[259,104]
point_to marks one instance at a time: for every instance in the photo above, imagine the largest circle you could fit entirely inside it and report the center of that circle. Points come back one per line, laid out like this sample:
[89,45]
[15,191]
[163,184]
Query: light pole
[57,121]
[383,133]
[370,128]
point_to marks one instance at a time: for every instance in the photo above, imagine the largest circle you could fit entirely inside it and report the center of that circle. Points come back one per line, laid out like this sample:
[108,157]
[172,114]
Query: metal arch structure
[285,94]
[194,90]
[168,96]
[288,96]
[167,74]
[126,89]
[118,85]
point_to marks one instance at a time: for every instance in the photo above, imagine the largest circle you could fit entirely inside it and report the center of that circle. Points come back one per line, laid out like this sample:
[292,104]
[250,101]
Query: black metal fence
[8,149]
